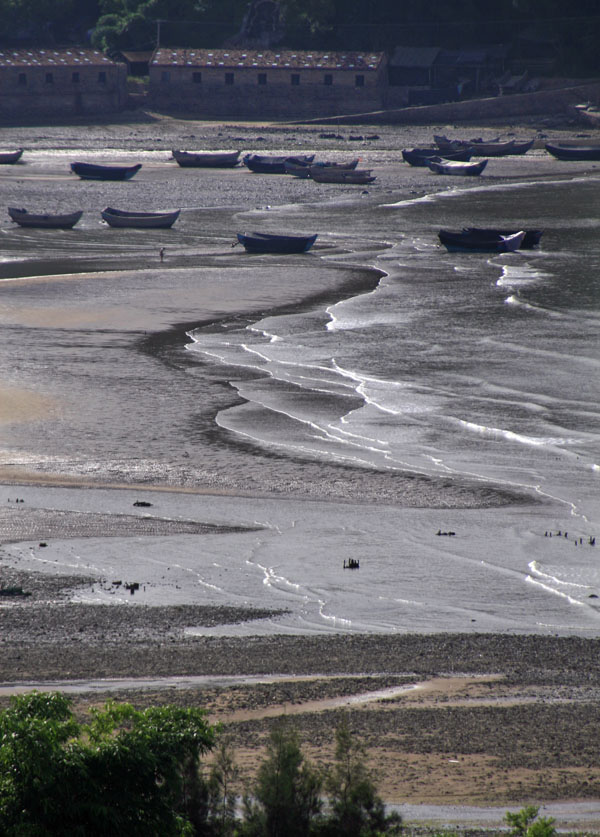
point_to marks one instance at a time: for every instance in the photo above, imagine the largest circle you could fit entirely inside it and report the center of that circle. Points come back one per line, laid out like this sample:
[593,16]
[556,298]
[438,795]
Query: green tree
[221,792]
[46,22]
[356,810]
[526,823]
[132,24]
[286,797]
[125,772]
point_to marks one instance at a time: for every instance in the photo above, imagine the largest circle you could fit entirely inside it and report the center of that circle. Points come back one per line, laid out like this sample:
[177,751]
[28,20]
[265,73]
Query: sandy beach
[460,725]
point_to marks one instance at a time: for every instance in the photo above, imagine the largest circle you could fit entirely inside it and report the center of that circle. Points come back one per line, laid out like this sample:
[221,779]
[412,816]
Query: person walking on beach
[161,253]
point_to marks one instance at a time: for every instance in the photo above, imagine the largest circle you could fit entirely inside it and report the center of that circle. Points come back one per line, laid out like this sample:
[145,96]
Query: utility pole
[158,22]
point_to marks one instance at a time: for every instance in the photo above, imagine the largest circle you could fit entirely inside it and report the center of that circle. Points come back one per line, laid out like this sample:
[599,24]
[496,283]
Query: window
[101,77]
[359,81]
[328,80]
[49,78]
[22,78]
[197,77]
[295,79]
[75,78]
[165,75]
[262,78]
[228,78]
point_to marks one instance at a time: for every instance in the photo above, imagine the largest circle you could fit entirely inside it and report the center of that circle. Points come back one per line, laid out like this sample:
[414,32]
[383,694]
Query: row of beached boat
[453,156]
[469,238]
[299,165]
[447,156]
[253,242]
[304,166]
[113,217]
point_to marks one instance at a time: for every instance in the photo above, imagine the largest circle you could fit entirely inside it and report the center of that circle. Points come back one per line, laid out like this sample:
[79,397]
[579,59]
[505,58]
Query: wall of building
[62,90]
[174,88]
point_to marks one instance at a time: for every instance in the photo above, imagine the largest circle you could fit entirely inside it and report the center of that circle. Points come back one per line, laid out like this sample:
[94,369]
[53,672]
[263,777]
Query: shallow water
[377,350]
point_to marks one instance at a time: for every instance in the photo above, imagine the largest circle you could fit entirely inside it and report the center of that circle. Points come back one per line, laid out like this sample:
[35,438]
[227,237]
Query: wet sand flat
[497,719]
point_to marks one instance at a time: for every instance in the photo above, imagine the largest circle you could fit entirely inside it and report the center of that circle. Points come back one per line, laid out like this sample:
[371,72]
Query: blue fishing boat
[257,242]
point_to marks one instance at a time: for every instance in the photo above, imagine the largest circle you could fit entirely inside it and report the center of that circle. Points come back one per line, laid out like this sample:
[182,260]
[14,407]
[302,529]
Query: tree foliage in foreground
[286,795]
[137,773]
[125,772]
[356,809]
[526,823]
[287,798]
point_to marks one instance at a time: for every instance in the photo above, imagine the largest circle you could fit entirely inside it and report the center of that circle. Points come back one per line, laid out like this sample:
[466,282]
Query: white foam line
[534,568]
[457,191]
[550,589]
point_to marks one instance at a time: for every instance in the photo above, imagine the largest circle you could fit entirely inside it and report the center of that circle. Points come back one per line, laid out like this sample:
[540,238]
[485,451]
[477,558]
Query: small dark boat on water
[568,151]
[266,164]
[207,159]
[303,169]
[501,149]
[420,156]
[532,237]
[92,171]
[322,174]
[57,222]
[139,220]
[484,148]
[7,157]
[257,242]
[488,242]
[441,165]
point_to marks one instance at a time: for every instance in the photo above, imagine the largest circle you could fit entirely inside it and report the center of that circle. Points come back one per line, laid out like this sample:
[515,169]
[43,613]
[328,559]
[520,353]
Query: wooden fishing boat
[573,151]
[207,159]
[447,144]
[257,242]
[532,237]
[500,149]
[321,174]
[490,243]
[268,164]
[303,169]
[31,219]
[93,171]
[483,148]
[7,157]
[441,165]
[420,156]
[139,220]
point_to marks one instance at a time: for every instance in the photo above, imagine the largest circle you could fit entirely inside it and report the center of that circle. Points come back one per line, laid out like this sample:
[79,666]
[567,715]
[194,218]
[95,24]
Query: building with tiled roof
[283,83]
[60,82]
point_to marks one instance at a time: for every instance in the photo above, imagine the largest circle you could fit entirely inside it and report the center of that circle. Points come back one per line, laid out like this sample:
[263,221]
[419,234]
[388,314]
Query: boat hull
[44,221]
[302,170]
[91,171]
[464,240]
[273,165]
[573,152]
[139,220]
[322,174]
[453,168]
[271,243]
[207,159]
[9,157]
[483,148]
[420,156]
[532,237]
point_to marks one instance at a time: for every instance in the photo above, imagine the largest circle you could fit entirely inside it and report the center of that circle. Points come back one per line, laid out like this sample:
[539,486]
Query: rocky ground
[446,719]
